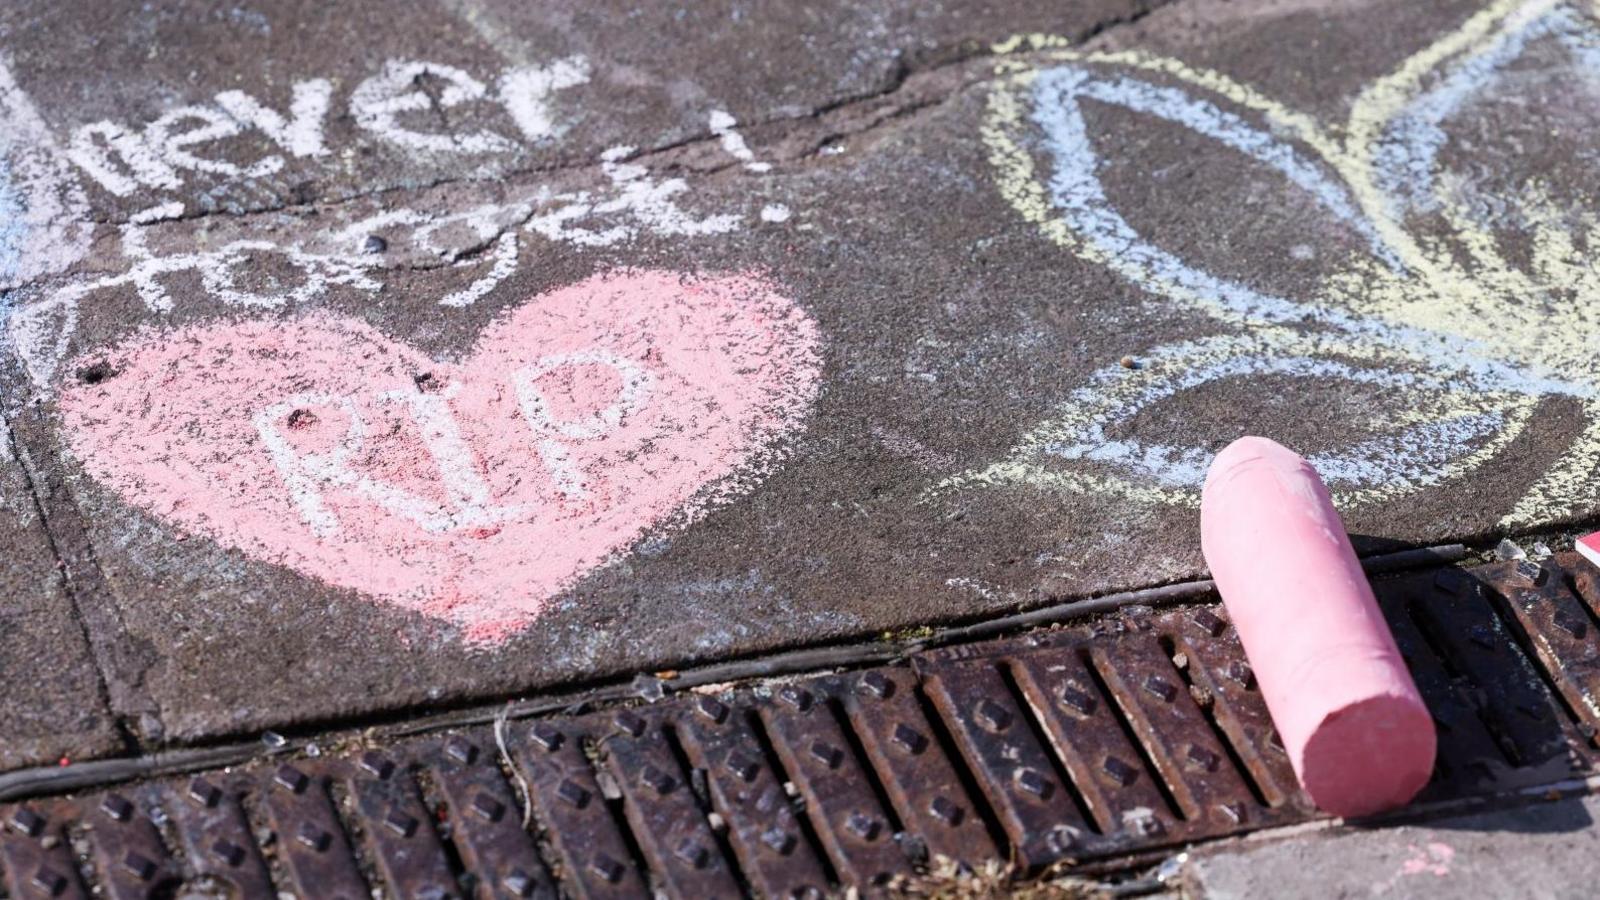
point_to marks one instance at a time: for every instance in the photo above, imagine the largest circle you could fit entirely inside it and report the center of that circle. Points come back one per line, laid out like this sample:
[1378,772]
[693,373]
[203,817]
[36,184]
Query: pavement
[1539,850]
[55,708]
[362,361]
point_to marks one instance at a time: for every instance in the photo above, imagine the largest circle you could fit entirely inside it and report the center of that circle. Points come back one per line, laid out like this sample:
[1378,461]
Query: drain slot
[1208,710]
[619,815]
[864,763]
[1584,587]
[1119,712]
[694,782]
[1441,651]
[434,803]
[1522,642]
[1031,718]
[969,783]
[808,828]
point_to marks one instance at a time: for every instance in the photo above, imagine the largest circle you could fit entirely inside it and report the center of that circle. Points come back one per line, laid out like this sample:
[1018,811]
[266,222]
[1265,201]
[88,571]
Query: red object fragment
[1589,546]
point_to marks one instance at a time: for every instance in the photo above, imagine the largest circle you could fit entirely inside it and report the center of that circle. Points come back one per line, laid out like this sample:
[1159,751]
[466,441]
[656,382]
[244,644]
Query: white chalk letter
[457,466]
[308,475]
[92,146]
[637,383]
[526,93]
[301,133]
[164,135]
[378,103]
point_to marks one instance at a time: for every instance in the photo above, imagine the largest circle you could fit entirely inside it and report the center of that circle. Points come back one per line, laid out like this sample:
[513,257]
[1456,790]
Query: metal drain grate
[1099,742]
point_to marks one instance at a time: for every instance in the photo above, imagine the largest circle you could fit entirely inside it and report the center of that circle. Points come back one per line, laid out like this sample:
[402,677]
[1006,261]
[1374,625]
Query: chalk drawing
[317,443]
[300,134]
[13,224]
[379,103]
[723,125]
[161,212]
[44,225]
[399,105]
[98,146]
[471,490]
[634,203]
[526,93]
[1433,859]
[490,239]
[1444,324]
[173,141]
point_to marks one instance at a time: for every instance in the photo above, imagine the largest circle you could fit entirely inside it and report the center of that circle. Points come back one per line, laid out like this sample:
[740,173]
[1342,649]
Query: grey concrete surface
[54,707]
[1544,850]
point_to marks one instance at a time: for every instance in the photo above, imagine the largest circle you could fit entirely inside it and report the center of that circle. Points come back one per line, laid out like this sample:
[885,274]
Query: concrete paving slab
[303,101]
[54,704]
[1542,850]
[495,402]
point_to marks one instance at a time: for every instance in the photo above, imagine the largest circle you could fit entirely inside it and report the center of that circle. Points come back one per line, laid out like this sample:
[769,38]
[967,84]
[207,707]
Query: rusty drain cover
[1099,742]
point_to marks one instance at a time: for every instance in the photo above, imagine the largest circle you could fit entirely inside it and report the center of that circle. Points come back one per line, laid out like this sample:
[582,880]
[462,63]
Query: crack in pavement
[75,583]
[902,76]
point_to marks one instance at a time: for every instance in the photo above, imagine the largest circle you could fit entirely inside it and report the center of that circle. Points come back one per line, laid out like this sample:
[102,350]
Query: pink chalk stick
[1358,734]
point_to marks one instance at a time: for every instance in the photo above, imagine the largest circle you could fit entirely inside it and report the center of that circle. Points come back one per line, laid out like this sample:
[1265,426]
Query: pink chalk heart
[473,491]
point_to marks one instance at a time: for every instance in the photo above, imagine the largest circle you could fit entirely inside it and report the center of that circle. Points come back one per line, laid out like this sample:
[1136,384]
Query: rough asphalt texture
[1544,850]
[55,705]
[951,326]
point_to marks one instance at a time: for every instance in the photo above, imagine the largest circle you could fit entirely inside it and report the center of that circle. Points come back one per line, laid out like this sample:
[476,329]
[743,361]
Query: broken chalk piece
[1357,732]
[1589,546]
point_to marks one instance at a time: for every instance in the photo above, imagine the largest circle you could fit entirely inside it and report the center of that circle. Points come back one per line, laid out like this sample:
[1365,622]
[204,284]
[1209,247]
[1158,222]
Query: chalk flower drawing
[1439,315]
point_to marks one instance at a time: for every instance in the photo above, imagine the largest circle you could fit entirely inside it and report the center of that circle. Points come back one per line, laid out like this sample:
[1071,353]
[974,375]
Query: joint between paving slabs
[119,673]
[402,724]
[672,152]
[1106,26]
[900,79]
